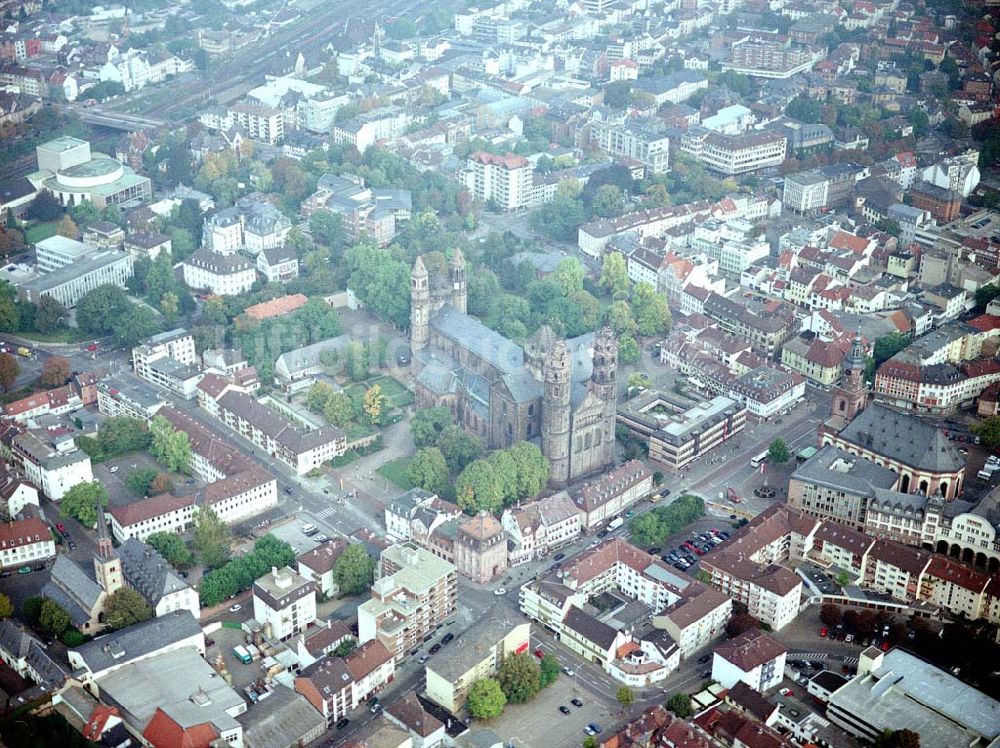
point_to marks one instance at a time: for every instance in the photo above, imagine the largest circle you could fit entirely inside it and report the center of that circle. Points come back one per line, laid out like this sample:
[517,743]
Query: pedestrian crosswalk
[325,513]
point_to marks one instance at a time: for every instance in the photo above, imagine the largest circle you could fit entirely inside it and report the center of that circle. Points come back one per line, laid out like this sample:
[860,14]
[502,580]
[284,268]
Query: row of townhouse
[686,614]
[300,446]
[750,568]
[236,487]
[79,392]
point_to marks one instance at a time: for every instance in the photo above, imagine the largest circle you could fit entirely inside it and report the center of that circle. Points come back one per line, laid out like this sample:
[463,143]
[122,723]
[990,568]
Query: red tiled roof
[23,532]
[95,725]
[985,322]
[276,307]
[510,161]
[163,732]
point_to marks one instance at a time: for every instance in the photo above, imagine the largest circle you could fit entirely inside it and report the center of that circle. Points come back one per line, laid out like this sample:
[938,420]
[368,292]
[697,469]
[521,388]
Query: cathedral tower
[420,306]
[556,414]
[851,395]
[107,565]
[456,276]
[604,385]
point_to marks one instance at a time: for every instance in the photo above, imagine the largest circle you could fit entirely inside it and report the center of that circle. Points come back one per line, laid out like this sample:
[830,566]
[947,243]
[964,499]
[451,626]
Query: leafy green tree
[988,431]
[590,742]
[121,434]
[80,502]
[354,570]
[99,309]
[345,648]
[126,607]
[479,488]
[427,425]
[519,677]
[652,314]
[805,109]
[616,94]
[614,275]
[338,409]
[620,319]
[569,275]
[486,699]
[52,618]
[50,315]
[45,207]
[170,446]
[139,480]
[625,697]
[172,548]
[211,538]
[428,470]
[458,447]
[561,217]
[609,202]
[9,369]
[373,404]
[531,469]
[317,395]
[888,346]
[628,350]
[380,281]
[327,228]
[10,316]
[680,704]
[549,670]
[778,453]
[653,527]
[31,609]
[6,607]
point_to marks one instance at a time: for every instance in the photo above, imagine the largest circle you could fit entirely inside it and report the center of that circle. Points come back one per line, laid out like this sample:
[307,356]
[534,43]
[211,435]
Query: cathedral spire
[105,548]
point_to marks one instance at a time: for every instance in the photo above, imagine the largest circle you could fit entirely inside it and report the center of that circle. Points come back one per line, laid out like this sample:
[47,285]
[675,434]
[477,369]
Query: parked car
[539,653]
[500,592]
[787,692]
[423,659]
[288,490]
[565,709]
[569,671]
[576,702]
[705,658]
[341,724]
[654,550]
[435,649]
[72,545]
[447,638]
[595,727]
[60,527]
[24,570]
[559,557]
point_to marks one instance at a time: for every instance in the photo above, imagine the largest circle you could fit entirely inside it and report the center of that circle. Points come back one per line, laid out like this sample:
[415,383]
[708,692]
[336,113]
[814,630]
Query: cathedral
[559,393]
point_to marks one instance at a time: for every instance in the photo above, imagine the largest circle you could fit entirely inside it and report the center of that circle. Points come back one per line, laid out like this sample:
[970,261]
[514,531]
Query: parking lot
[114,472]
[225,639]
[674,543]
[540,723]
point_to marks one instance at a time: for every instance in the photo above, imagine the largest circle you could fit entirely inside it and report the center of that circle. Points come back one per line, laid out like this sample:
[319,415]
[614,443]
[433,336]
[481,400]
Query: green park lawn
[395,472]
[40,231]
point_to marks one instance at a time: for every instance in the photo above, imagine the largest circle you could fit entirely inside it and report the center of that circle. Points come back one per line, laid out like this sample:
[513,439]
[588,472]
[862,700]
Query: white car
[569,671]
[499,592]
[113,469]
[236,608]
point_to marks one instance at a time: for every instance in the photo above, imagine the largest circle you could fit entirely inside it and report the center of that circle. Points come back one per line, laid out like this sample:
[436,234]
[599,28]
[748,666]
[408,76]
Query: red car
[92,347]
[539,653]
[885,646]
[60,527]
[823,632]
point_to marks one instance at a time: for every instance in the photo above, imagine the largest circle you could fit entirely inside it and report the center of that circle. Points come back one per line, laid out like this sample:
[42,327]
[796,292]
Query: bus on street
[756,462]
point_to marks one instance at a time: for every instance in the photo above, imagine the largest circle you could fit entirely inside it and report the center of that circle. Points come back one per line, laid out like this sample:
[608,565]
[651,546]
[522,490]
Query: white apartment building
[261,123]
[284,601]
[233,498]
[169,360]
[735,154]
[697,619]
[503,180]
[415,591]
[538,527]
[221,274]
[634,140]
[336,686]
[54,464]
[753,657]
[25,541]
